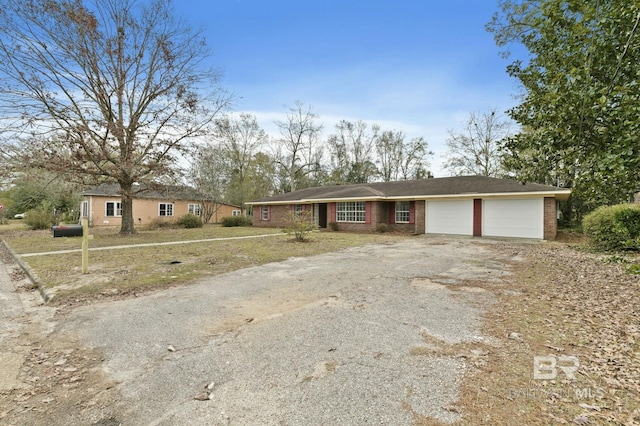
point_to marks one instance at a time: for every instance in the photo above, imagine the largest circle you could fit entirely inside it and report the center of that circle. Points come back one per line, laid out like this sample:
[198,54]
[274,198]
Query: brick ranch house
[462,205]
[102,205]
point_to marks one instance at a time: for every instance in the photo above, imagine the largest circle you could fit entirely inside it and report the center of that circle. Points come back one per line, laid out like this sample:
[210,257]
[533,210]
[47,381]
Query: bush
[333,226]
[40,219]
[190,221]
[300,224]
[382,228]
[229,221]
[613,228]
[71,216]
[158,223]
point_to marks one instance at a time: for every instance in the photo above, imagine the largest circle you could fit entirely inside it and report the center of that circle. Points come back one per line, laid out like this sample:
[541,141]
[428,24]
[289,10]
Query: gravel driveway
[342,338]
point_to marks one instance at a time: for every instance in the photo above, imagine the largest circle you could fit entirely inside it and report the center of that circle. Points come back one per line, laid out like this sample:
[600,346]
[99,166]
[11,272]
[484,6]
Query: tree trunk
[128,225]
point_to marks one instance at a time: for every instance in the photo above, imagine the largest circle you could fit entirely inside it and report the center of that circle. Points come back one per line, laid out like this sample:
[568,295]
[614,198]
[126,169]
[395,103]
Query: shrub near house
[614,228]
[237,220]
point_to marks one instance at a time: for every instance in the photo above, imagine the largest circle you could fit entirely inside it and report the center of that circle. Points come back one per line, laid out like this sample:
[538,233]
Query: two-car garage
[495,217]
[457,205]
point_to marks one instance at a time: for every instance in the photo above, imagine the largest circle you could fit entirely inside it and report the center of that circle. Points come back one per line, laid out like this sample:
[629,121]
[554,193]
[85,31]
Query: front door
[322,215]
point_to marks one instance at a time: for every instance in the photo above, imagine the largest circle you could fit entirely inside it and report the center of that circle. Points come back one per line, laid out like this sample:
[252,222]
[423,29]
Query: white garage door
[522,218]
[450,217]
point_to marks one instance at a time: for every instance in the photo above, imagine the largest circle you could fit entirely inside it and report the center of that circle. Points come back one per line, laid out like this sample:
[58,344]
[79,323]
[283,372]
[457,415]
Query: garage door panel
[520,218]
[450,217]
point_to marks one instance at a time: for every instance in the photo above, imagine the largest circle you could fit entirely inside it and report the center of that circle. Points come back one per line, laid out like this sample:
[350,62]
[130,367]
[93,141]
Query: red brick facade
[550,218]
[276,216]
[381,213]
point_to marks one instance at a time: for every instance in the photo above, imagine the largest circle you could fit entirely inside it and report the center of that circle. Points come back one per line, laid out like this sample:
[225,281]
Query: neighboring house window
[298,208]
[351,212]
[194,209]
[265,212]
[236,212]
[113,208]
[165,209]
[85,209]
[402,212]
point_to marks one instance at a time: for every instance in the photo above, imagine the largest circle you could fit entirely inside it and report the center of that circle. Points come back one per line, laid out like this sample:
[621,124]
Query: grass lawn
[125,271]
[24,241]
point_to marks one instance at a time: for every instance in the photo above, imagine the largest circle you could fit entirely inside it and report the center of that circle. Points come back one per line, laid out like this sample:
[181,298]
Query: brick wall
[277,216]
[550,218]
[378,213]
[421,214]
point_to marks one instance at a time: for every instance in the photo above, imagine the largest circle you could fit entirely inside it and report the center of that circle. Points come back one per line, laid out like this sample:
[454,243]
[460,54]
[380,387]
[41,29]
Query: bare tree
[209,175]
[474,150]
[298,144]
[352,150]
[400,159]
[107,90]
[239,139]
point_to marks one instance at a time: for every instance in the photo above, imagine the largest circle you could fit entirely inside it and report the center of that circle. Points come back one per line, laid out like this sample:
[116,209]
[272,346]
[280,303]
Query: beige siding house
[102,205]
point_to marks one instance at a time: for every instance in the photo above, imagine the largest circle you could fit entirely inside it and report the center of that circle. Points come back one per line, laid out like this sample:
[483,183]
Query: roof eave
[561,195]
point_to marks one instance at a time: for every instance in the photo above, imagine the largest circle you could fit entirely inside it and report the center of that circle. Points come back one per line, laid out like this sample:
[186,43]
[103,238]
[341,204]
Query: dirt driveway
[351,337]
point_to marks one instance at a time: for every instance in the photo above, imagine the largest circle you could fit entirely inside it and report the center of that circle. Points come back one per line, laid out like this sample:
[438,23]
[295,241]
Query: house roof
[161,192]
[448,187]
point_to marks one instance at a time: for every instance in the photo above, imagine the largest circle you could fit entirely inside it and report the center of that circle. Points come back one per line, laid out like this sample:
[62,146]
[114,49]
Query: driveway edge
[33,276]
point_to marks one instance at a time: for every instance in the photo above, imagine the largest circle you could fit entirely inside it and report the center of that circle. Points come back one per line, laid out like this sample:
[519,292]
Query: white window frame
[84,209]
[168,209]
[351,211]
[236,213]
[117,209]
[194,209]
[298,209]
[402,214]
[265,213]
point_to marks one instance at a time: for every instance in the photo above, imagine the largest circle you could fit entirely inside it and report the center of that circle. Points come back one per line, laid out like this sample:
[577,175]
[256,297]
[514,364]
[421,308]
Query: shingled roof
[457,186]
[162,192]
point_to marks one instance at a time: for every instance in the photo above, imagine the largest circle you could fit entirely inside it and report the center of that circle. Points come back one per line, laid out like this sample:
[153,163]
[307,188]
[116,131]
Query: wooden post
[85,245]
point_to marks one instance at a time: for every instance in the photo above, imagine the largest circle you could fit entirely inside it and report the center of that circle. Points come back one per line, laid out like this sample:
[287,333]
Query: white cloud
[423,102]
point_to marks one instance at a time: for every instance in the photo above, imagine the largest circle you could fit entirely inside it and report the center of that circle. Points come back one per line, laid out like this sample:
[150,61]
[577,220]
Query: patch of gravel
[343,338]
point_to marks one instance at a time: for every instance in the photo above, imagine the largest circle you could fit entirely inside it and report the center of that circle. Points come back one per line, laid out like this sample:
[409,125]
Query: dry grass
[124,272]
[24,241]
[561,302]
[13,225]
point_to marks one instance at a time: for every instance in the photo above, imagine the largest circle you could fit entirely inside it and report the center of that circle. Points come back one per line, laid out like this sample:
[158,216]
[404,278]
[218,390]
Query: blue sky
[418,66]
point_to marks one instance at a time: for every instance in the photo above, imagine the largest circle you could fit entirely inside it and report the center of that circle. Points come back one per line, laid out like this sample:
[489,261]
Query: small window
[236,212]
[402,212]
[265,212]
[298,209]
[113,209]
[85,209]
[194,209]
[351,212]
[165,209]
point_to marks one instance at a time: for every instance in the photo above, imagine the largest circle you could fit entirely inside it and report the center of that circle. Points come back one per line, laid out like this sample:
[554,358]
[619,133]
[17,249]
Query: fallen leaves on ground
[561,301]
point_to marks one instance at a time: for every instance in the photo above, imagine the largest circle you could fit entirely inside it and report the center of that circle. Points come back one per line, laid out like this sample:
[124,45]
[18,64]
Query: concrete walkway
[169,243]
[11,321]
[22,313]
